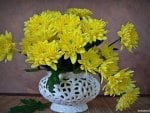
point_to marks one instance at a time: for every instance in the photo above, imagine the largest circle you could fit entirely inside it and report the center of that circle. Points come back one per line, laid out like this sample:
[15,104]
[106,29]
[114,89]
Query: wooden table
[100,105]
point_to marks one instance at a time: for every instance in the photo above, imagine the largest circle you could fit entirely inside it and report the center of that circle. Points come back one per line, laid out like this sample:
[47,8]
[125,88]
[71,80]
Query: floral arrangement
[68,42]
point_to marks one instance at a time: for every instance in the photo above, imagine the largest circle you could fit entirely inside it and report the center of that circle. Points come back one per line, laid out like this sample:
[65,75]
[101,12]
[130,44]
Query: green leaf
[52,80]
[29,106]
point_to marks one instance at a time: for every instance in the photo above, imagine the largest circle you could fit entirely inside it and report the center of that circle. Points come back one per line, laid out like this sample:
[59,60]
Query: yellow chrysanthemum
[26,43]
[108,52]
[94,28]
[79,12]
[66,22]
[90,61]
[129,36]
[109,67]
[71,43]
[7,47]
[119,83]
[44,53]
[127,99]
[39,28]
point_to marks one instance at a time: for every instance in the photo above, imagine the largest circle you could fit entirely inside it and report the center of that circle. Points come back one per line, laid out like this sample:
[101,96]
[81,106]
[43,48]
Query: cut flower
[90,61]
[107,51]
[79,12]
[94,28]
[44,53]
[119,83]
[71,43]
[7,47]
[127,99]
[109,67]
[129,36]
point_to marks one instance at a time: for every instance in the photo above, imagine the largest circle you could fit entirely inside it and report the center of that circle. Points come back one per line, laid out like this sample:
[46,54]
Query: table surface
[99,105]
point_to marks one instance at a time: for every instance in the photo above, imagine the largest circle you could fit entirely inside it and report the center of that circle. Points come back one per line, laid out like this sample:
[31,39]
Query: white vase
[73,92]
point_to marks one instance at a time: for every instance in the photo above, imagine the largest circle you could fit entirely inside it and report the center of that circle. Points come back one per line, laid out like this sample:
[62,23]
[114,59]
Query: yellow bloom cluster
[79,12]
[119,83]
[129,36]
[94,29]
[68,30]
[128,99]
[39,28]
[122,84]
[103,61]
[90,61]
[110,63]
[66,22]
[71,43]
[44,53]
[7,47]
[109,67]
[108,52]
[54,40]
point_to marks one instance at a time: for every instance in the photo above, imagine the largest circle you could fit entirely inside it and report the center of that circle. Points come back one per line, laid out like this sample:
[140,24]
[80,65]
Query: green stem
[114,42]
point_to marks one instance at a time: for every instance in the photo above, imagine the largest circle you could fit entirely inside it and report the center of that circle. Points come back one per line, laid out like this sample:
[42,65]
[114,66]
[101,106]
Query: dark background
[13,13]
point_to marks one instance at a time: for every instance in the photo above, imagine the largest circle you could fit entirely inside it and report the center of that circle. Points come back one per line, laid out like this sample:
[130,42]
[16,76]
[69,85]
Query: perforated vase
[73,92]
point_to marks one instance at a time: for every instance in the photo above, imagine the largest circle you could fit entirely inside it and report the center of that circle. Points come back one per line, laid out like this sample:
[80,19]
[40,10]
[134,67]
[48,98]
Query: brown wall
[14,12]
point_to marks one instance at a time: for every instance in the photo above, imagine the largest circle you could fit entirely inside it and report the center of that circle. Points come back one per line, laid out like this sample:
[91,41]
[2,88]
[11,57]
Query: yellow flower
[7,48]
[79,12]
[94,28]
[66,22]
[44,53]
[127,99]
[119,83]
[71,43]
[129,36]
[39,28]
[109,67]
[26,44]
[108,52]
[90,61]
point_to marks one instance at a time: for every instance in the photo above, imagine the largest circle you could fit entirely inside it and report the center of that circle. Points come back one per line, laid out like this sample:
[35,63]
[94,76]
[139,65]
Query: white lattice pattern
[73,90]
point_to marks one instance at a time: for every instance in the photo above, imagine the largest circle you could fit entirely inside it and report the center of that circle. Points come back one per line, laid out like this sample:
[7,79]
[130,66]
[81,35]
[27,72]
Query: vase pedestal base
[68,109]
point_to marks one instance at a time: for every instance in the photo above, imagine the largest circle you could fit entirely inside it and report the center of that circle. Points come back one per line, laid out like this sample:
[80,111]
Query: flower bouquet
[76,42]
